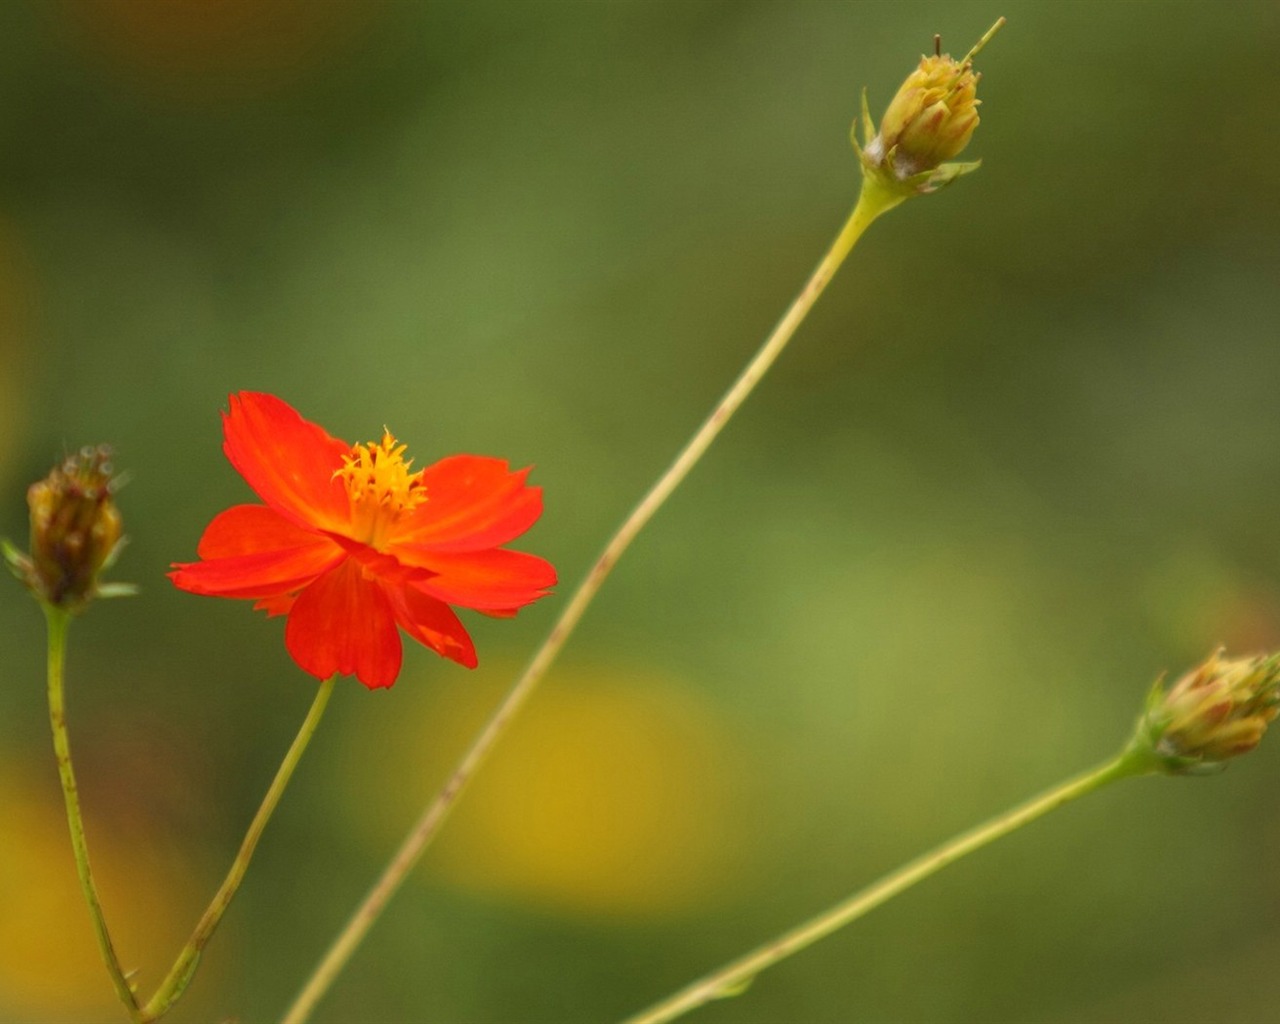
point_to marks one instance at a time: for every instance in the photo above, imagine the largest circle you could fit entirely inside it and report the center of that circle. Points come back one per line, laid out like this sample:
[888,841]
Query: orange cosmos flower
[351,544]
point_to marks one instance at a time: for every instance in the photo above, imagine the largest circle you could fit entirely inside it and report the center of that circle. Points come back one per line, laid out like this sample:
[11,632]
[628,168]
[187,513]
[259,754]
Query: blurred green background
[1020,461]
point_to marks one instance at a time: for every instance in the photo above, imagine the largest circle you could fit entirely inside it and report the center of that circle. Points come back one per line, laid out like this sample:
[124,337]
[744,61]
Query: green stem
[735,976]
[872,202]
[58,621]
[188,960]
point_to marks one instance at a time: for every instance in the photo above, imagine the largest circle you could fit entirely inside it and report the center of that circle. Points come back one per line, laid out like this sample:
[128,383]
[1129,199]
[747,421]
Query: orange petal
[261,575]
[387,569]
[496,579]
[343,624]
[277,605]
[473,503]
[251,529]
[288,461]
[432,623]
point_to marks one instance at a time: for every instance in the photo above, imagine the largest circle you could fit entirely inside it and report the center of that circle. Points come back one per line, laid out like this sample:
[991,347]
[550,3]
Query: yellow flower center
[380,486]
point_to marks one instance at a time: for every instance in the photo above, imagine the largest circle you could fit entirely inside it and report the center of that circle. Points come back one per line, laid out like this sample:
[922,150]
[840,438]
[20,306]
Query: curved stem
[184,967]
[872,202]
[58,621]
[735,976]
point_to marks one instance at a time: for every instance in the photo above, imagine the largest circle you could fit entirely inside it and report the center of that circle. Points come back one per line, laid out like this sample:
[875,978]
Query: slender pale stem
[735,976]
[188,960]
[986,38]
[58,620]
[872,202]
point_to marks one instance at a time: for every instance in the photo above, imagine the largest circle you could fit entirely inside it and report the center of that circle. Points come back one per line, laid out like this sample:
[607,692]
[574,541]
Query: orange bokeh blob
[195,48]
[18,309]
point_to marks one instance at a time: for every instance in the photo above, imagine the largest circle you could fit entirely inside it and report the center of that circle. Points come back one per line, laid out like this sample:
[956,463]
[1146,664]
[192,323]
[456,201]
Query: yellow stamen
[380,485]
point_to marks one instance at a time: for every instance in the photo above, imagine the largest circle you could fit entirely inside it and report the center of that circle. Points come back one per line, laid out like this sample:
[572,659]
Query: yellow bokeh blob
[50,968]
[615,794]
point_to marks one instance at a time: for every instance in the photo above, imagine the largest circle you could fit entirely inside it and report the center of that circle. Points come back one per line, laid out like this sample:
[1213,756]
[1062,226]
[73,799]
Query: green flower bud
[75,531]
[1215,712]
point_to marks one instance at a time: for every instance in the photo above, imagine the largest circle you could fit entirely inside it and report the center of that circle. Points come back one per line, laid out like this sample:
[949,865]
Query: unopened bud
[75,531]
[929,121]
[1215,712]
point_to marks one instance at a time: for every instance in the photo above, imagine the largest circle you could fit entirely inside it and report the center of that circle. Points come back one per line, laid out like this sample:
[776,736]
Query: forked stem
[872,202]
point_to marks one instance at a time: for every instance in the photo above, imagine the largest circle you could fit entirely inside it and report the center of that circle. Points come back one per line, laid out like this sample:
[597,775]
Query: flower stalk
[75,535]
[1217,711]
[184,968]
[58,620]
[873,201]
[733,978]
[881,191]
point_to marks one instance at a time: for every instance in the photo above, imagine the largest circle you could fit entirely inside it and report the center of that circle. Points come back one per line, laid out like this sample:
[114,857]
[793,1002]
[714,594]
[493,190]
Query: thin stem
[184,967]
[735,976]
[872,202]
[986,38]
[58,620]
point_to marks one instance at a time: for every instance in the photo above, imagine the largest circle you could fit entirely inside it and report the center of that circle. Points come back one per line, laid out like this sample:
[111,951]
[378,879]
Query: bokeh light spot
[202,48]
[17,322]
[50,969]
[615,794]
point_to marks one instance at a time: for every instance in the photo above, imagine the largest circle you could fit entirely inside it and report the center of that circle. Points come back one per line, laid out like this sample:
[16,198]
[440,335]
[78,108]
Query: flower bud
[75,531]
[929,121]
[1215,712]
